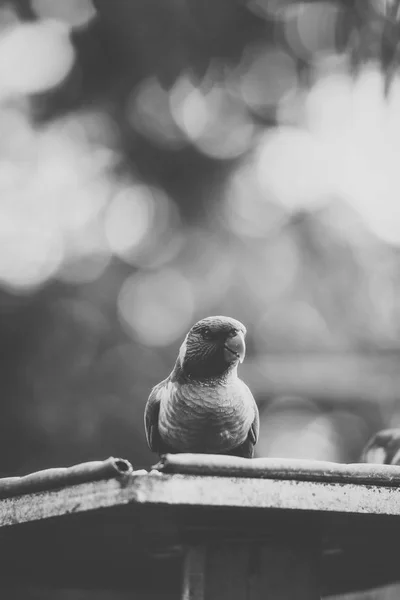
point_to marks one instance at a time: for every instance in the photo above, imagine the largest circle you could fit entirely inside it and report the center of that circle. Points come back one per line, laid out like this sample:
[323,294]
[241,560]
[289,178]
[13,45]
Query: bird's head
[213,347]
[383,448]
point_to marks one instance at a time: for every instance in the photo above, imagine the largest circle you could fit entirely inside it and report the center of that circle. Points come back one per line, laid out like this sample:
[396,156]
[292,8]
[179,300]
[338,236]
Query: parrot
[383,448]
[203,406]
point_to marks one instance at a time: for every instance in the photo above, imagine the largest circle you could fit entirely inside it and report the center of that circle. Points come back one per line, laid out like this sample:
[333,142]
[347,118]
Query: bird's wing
[255,426]
[151,413]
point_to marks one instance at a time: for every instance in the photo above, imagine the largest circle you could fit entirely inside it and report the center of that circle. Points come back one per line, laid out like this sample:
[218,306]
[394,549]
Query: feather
[203,406]
[151,414]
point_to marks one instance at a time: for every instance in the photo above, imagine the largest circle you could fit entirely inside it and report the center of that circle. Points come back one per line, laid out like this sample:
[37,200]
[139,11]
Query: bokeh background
[165,161]
[161,161]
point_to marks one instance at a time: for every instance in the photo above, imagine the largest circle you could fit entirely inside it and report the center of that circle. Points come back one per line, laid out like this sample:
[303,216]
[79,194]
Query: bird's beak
[235,348]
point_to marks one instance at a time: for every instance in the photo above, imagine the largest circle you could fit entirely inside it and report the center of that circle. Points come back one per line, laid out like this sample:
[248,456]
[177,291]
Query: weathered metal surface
[59,477]
[143,521]
[55,503]
[279,468]
[268,494]
[206,491]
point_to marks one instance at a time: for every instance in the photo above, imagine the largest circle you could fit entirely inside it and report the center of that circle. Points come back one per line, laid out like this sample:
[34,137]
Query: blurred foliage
[164,161]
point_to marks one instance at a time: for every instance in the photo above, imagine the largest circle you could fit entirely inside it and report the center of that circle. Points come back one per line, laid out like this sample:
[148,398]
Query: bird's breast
[196,418]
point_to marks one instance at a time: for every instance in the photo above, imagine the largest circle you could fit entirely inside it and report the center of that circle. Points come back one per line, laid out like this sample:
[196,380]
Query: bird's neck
[180,375]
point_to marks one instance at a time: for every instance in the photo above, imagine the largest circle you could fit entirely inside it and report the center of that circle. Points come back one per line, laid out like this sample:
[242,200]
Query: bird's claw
[155,472]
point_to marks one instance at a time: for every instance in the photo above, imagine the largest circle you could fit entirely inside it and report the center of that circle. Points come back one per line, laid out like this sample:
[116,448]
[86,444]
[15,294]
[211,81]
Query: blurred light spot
[79,209]
[328,107]
[312,28]
[293,324]
[387,8]
[206,259]
[393,113]
[101,128]
[132,364]
[271,9]
[76,329]
[290,109]
[141,226]
[149,113]
[247,209]
[156,307]
[189,107]
[321,439]
[270,274]
[76,13]
[84,269]
[347,224]
[369,104]
[354,125]
[212,119]
[297,429]
[88,255]
[8,16]
[265,76]
[160,249]
[293,168]
[54,186]
[93,128]
[329,64]
[352,430]
[128,219]
[394,421]
[28,256]
[34,57]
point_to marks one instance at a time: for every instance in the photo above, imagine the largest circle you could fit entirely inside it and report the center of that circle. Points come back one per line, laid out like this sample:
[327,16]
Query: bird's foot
[155,472]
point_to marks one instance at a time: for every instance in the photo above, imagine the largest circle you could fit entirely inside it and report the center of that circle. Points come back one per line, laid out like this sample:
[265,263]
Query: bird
[383,448]
[203,406]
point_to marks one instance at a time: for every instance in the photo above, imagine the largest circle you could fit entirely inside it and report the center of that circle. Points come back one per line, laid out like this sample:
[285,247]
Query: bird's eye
[206,333]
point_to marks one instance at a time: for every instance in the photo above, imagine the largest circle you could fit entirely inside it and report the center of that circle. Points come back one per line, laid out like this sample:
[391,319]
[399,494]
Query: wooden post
[251,571]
